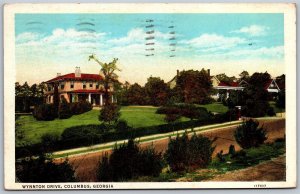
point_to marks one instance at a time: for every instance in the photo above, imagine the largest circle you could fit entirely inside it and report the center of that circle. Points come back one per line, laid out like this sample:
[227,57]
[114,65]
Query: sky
[148,44]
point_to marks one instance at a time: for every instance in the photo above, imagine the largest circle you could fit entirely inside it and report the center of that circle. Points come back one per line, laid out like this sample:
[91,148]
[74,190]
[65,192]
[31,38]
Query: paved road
[86,165]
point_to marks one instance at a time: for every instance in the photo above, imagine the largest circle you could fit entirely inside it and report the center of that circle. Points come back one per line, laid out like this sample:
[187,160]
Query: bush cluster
[249,134]
[48,112]
[129,161]
[42,170]
[80,107]
[45,112]
[186,110]
[184,154]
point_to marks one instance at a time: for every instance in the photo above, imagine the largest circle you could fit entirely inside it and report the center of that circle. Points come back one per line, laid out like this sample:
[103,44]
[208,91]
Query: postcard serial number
[260,186]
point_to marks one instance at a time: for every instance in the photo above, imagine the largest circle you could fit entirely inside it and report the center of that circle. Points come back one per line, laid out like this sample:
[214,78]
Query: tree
[64,111]
[224,78]
[157,91]
[244,75]
[255,96]
[110,114]
[136,95]
[194,86]
[184,153]
[129,161]
[249,134]
[280,102]
[108,70]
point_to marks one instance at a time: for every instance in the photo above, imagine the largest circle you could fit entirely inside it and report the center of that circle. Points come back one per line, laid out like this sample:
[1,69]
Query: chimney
[58,74]
[77,72]
[177,72]
[208,72]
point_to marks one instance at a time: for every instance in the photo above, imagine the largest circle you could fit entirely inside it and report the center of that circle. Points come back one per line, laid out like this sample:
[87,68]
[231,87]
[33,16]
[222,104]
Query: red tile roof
[71,76]
[230,84]
[267,84]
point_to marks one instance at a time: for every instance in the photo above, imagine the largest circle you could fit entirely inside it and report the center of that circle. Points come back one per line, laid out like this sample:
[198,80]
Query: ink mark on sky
[248,41]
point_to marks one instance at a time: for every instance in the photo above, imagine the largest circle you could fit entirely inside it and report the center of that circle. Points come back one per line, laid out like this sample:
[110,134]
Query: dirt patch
[272,170]
[86,165]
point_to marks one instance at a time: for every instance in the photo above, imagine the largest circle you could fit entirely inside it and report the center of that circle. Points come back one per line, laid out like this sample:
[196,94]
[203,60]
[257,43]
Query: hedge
[86,135]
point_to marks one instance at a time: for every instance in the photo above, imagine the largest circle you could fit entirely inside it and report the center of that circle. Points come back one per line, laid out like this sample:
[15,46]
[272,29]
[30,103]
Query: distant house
[76,87]
[271,86]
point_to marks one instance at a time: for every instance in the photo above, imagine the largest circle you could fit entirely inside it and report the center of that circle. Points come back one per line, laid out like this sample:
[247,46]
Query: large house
[76,87]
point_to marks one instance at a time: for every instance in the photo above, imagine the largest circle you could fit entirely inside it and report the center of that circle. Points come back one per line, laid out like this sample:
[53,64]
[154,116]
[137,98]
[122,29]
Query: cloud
[213,42]
[276,52]
[253,30]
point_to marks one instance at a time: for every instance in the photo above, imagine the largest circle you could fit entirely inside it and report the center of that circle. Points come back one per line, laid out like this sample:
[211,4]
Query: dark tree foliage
[249,134]
[56,96]
[135,95]
[280,102]
[80,107]
[157,91]
[129,161]
[42,170]
[224,78]
[49,142]
[110,113]
[186,110]
[184,154]
[27,96]
[194,86]
[255,101]
[244,75]
[64,110]
[259,79]
[45,112]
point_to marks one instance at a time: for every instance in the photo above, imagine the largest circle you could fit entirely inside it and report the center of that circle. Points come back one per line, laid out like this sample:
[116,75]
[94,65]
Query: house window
[97,86]
[91,85]
[62,86]
[72,85]
[84,85]
[49,88]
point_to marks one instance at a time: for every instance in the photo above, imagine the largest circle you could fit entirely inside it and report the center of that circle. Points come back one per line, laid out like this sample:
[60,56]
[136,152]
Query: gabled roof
[71,76]
[268,83]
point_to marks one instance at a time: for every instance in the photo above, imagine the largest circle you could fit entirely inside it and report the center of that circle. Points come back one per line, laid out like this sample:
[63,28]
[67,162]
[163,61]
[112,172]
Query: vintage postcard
[149,96]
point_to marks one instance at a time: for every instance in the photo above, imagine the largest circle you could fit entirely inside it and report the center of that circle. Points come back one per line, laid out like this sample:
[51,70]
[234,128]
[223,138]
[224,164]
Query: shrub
[248,134]
[80,107]
[64,110]
[184,154]
[110,113]
[49,141]
[45,112]
[81,136]
[40,170]
[122,126]
[129,161]
[186,110]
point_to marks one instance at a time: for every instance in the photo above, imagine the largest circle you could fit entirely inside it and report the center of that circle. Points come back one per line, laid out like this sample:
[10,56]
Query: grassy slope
[135,116]
[215,107]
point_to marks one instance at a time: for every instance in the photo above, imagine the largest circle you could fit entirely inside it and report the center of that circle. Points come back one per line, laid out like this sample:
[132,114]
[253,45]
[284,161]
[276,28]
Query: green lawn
[217,107]
[135,116]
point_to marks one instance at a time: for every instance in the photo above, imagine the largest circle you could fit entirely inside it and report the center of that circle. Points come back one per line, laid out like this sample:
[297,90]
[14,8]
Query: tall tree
[108,70]
[157,91]
[194,86]
[136,95]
